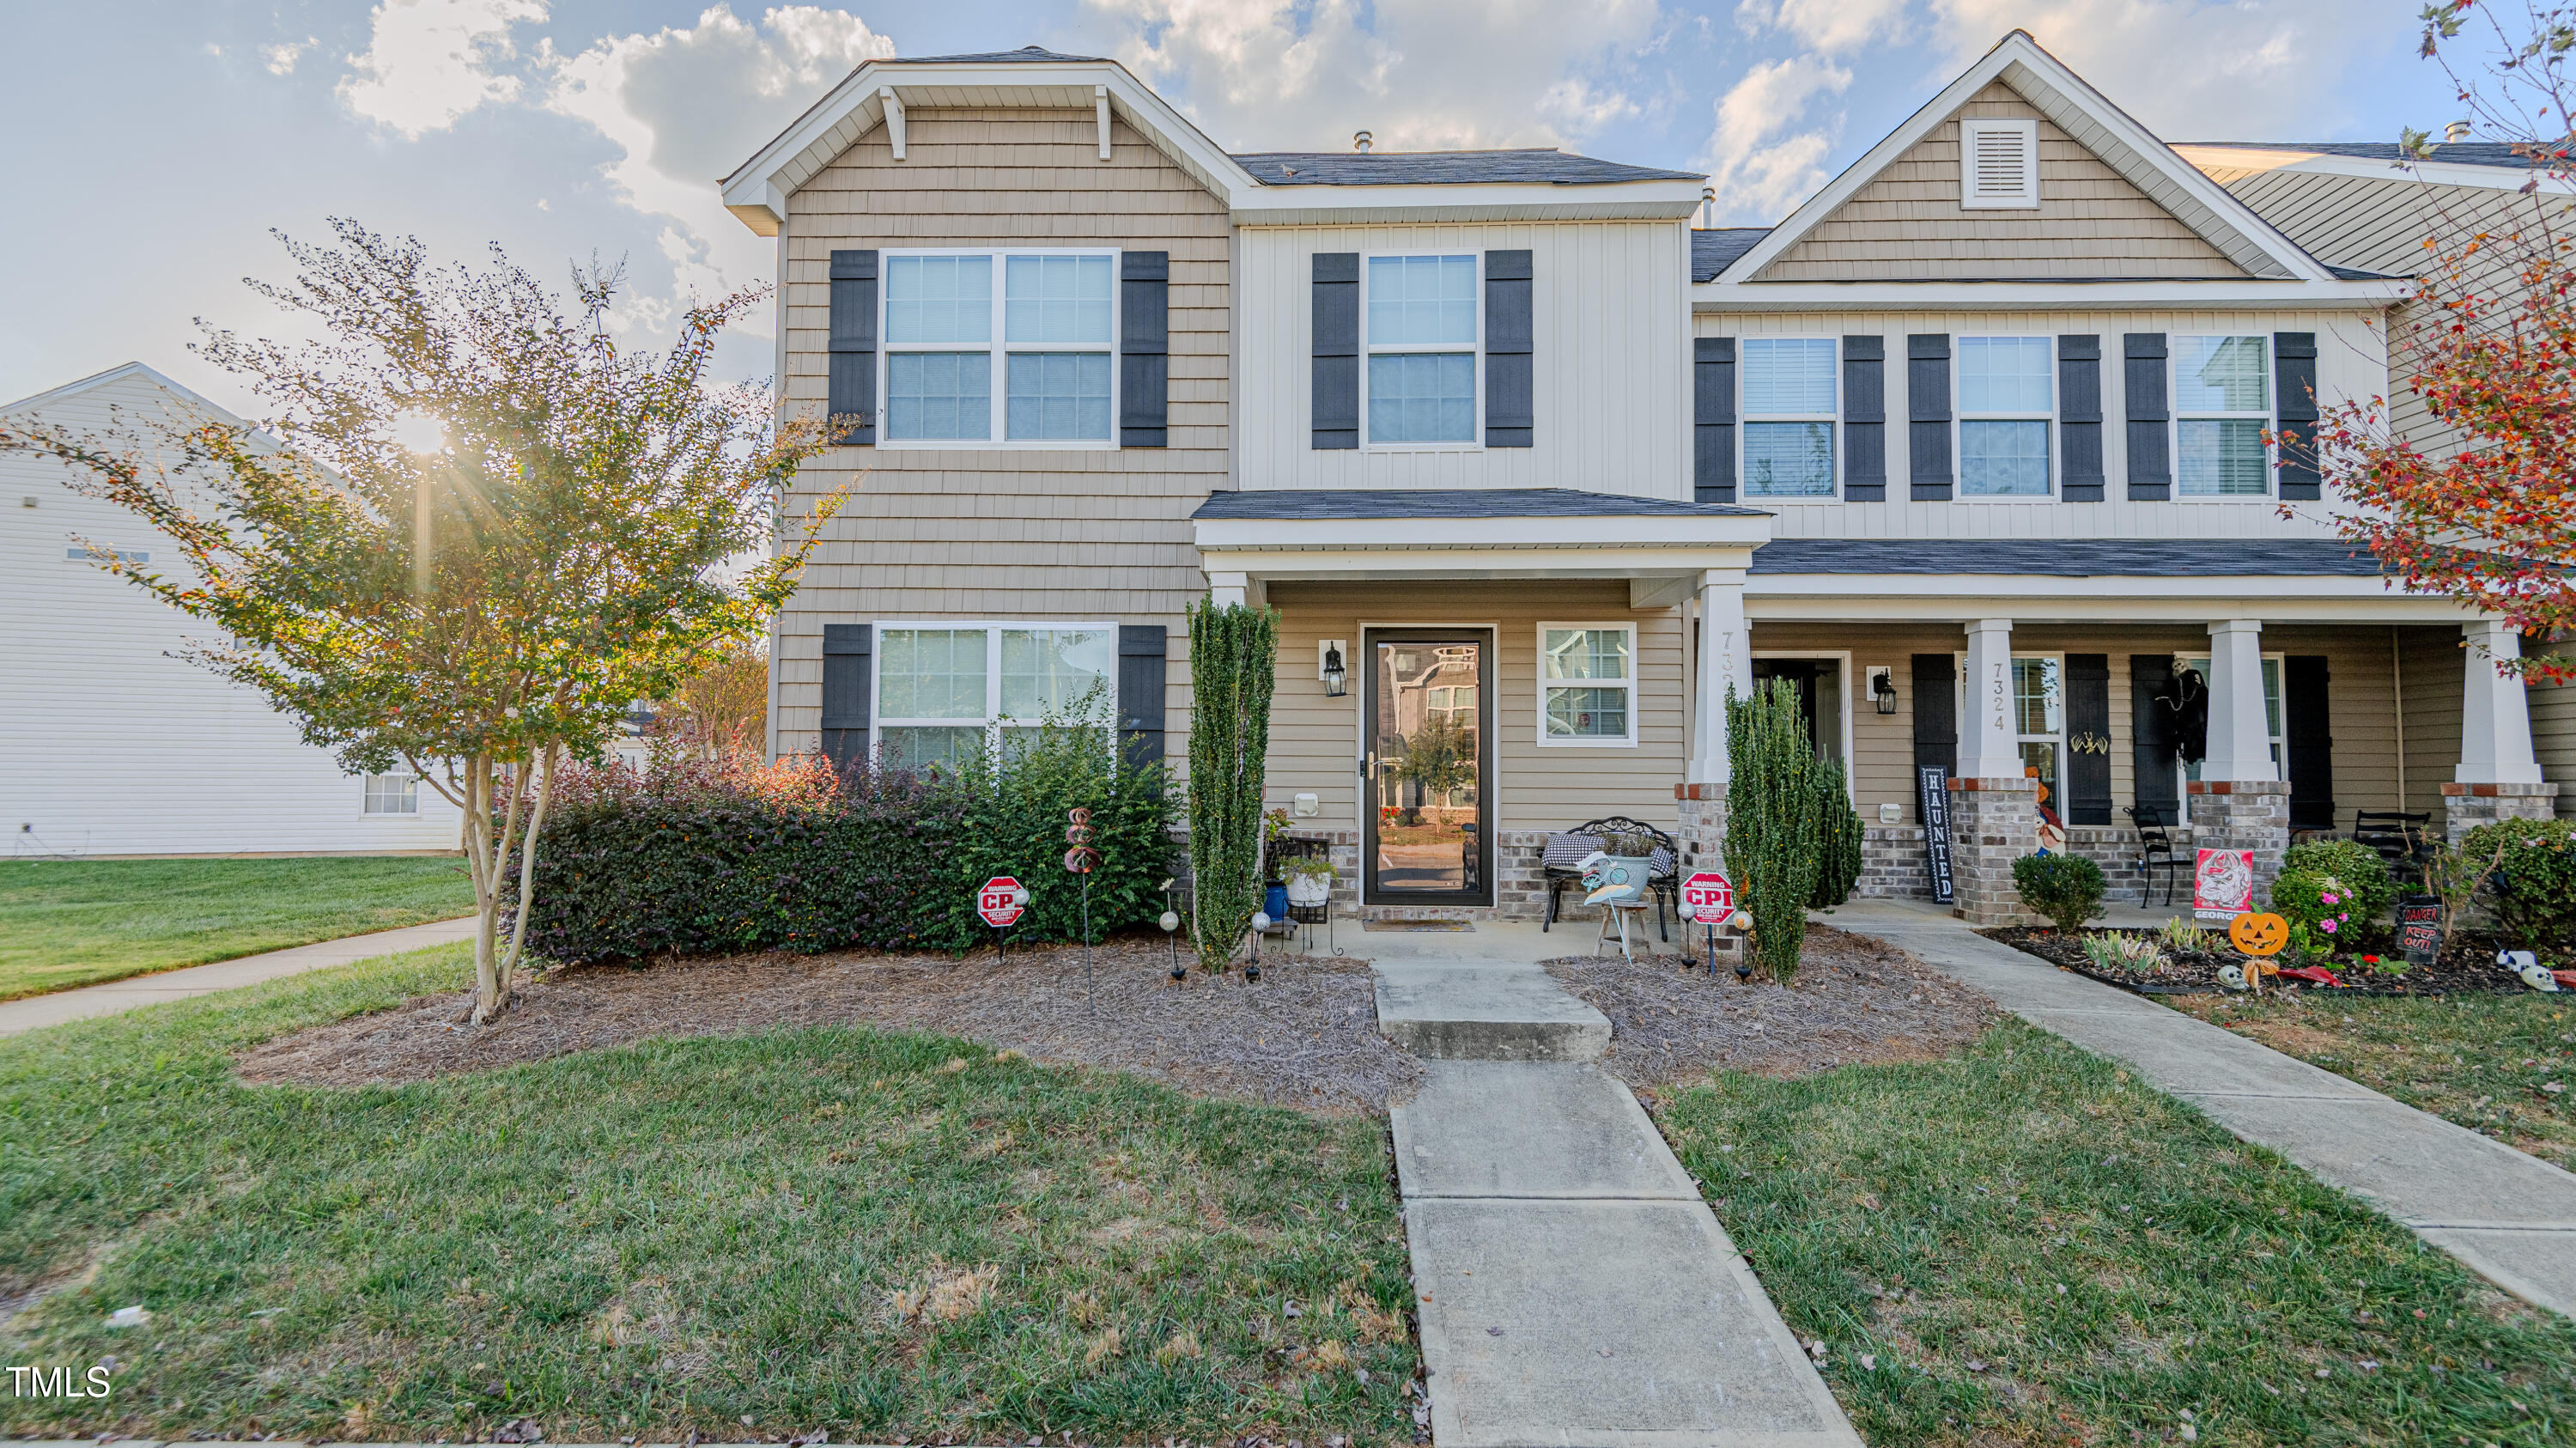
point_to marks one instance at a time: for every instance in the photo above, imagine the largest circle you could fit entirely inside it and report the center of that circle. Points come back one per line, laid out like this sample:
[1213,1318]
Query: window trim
[2027,199]
[1538,670]
[1960,417]
[996,350]
[1369,348]
[366,793]
[1744,419]
[2269,417]
[991,722]
[1959,702]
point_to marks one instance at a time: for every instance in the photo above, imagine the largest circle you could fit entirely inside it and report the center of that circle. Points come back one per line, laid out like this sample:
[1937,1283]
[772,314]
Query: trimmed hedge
[723,857]
[2065,888]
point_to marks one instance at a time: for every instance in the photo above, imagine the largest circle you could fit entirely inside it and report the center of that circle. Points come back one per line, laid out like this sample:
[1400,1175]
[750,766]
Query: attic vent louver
[1998,164]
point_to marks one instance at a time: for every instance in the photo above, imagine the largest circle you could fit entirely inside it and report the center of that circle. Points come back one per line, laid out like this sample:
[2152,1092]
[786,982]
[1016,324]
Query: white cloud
[685,106]
[1417,74]
[282,56]
[1831,26]
[1758,158]
[429,62]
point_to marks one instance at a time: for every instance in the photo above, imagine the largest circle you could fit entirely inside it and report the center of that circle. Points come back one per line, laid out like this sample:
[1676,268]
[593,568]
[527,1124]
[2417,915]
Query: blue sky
[150,147]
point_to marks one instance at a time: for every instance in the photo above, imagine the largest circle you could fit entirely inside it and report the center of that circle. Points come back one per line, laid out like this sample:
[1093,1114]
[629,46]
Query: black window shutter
[1713,419]
[1144,347]
[1936,715]
[1336,406]
[846,647]
[851,383]
[1865,419]
[2142,384]
[1927,411]
[2294,372]
[2088,740]
[2079,432]
[1509,324]
[2151,736]
[2307,743]
[1141,649]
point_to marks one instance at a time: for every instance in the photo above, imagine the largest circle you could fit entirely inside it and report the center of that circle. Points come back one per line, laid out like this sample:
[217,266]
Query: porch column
[2240,737]
[2498,777]
[1987,748]
[1236,588]
[1725,662]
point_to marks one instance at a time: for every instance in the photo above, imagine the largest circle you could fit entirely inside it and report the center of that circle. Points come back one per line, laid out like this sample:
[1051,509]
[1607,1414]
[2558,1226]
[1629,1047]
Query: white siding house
[110,744]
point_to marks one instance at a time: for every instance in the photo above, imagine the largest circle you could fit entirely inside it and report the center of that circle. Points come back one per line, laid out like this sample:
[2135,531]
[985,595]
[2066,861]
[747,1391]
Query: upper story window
[1788,426]
[2222,404]
[1422,337]
[1998,164]
[2006,401]
[1048,317]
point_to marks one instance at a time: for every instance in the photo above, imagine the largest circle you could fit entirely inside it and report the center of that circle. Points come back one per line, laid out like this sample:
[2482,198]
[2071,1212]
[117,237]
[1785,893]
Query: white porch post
[1987,748]
[1725,661]
[2495,713]
[2240,737]
[1229,588]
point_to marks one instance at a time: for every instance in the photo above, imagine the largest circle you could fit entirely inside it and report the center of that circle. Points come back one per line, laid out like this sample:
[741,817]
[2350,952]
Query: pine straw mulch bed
[1303,1036]
[1857,1001]
[2467,966]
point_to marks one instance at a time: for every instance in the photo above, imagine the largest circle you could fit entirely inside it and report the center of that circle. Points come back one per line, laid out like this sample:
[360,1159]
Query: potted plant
[1628,860]
[1310,879]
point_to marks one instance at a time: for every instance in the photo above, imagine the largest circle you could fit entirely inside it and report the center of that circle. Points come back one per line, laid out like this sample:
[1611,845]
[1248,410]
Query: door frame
[1851,695]
[1487,637]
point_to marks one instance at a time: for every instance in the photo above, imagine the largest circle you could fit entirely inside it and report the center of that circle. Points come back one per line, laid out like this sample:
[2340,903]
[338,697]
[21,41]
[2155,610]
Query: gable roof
[2115,138]
[2450,153]
[52,395]
[1026,54]
[1544,166]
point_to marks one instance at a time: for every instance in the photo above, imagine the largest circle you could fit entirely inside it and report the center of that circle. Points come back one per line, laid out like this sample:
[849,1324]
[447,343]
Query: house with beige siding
[1976,448]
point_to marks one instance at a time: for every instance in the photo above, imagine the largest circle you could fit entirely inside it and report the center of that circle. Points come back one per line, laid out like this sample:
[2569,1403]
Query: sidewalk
[2509,1216]
[110,997]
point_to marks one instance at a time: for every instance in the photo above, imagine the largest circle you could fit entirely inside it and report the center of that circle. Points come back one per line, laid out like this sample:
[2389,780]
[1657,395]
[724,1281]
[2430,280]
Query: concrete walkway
[2509,1216]
[1573,1288]
[142,990]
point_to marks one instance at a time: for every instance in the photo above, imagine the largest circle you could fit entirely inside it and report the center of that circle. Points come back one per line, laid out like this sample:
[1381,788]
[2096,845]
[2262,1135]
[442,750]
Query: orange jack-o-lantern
[2261,933]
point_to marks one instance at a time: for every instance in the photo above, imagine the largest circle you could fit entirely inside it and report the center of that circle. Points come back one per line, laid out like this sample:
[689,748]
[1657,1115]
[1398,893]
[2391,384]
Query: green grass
[75,922]
[682,1234]
[2484,1062]
[1923,1219]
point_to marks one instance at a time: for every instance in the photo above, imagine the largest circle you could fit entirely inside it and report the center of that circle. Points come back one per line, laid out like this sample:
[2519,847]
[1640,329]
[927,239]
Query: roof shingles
[1318,504]
[1444,168]
[2072,557]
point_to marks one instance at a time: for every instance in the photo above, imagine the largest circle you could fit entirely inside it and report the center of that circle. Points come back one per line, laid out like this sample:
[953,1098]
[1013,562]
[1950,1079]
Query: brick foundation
[1993,822]
[2467,806]
[1892,866]
[2241,814]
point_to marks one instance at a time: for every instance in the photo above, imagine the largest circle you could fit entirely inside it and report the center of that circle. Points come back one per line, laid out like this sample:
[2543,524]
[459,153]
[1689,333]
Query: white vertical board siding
[1610,362]
[2352,363]
[108,743]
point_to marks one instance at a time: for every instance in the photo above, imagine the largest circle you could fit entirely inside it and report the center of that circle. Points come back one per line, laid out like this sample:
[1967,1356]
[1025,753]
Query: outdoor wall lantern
[1882,689]
[1334,673]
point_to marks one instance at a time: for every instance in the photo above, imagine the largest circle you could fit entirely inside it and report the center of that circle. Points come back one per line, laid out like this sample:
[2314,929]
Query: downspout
[778,518]
[2397,687]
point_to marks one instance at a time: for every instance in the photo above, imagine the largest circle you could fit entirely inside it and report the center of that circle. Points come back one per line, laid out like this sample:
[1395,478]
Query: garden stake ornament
[1171,922]
[1079,860]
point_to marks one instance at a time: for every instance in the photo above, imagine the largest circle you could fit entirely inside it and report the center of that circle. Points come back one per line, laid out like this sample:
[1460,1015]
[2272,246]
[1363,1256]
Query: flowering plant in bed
[2320,910]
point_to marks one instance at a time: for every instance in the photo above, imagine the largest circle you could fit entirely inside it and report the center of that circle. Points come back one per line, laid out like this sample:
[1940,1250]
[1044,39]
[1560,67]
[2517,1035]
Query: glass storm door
[1426,777]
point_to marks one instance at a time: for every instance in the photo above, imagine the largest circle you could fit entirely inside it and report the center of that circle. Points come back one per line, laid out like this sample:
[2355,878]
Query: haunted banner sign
[1932,791]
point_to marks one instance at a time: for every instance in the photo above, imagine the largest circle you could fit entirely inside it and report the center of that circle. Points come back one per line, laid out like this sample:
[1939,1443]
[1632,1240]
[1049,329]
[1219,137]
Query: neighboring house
[1970,448]
[112,745]
[2361,204]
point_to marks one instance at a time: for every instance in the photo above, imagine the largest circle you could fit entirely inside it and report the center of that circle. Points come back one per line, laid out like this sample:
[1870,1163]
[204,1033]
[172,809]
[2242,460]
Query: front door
[1426,776]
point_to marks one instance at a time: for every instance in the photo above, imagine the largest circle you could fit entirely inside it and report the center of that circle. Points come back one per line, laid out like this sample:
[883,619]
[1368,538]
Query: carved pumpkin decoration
[2259,933]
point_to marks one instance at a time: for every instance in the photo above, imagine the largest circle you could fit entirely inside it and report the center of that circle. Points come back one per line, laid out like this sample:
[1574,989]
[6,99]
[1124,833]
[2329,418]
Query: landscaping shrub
[2535,877]
[1774,835]
[2320,908]
[2065,888]
[705,857]
[2355,864]
[1234,668]
[1838,865]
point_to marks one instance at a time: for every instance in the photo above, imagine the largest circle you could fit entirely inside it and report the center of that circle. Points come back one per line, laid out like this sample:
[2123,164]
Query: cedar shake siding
[972,532]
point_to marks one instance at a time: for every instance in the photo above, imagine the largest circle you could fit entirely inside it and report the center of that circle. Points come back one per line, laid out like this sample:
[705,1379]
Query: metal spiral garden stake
[1079,860]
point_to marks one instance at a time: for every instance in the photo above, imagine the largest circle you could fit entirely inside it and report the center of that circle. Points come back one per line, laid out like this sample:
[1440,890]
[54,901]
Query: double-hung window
[1587,684]
[1019,347]
[2222,404]
[1423,333]
[2006,402]
[1788,417]
[944,689]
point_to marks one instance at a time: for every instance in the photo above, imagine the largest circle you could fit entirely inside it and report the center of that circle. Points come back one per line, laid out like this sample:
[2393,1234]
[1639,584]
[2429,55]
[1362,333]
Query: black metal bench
[1558,864]
[2404,840]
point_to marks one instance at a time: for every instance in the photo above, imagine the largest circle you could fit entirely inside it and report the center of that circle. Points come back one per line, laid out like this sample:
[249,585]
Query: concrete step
[1453,1011]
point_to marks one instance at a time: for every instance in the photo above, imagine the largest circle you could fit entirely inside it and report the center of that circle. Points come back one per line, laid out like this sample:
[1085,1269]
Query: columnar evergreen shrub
[2535,877]
[2363,873]
[2065,888]
[1774,832]
[1838,866]
[1233,670]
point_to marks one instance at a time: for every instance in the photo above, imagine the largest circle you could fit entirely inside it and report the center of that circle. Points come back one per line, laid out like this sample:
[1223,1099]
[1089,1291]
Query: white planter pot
[1309,889]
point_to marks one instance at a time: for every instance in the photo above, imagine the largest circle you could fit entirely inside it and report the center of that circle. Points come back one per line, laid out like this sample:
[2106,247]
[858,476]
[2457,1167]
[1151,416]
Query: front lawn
[74,922]
[885,1236]
[2020,1243]
[2485,1062]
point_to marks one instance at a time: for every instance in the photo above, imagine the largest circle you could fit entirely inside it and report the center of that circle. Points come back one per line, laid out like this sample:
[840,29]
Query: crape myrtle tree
[2481,504]
[482,610]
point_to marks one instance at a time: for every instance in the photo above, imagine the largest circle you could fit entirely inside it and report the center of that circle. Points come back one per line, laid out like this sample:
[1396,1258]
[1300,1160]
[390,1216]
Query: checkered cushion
[1566,851]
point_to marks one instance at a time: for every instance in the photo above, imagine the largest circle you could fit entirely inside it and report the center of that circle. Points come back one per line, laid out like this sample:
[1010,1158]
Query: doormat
[1416,926]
